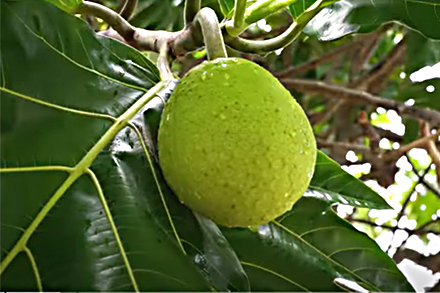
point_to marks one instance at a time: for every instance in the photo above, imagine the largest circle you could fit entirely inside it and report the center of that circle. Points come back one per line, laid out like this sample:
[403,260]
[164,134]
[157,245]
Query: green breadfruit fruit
[234,145]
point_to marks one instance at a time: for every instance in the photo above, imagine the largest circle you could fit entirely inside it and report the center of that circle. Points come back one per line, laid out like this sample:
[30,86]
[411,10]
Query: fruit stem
[238,24]
[163,64]
[190,10]
[212,35]
[287,37]
[116,21]
[263,8]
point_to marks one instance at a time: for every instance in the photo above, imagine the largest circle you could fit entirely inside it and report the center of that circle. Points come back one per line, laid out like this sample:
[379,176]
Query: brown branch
[327,114]
[372,81]
[335,54]
[431,262]
[361,56]
[431,148]
[388,134]
[405,204]
[360,97]
[344,146]
[118,23]
[422,227]
[303,68]
[419,143]
[419,231]
[369,131]
[426,184]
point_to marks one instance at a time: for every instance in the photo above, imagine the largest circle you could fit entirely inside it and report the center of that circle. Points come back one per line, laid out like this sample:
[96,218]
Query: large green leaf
[158,14]
[362,16]
[332,184]
[421,52]
[299,6]
[226,6]
[66,5]
[81,209]
[308,248]
[424,94]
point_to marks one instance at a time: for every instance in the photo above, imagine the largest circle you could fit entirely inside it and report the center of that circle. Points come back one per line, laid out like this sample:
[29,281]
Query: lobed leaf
[345,17]
[332,184]
[308,248]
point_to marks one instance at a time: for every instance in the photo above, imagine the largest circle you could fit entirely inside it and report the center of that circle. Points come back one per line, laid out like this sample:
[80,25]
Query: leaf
[66,5]
[331,183]
[424,94]
[158,15]
[299,6]
[421,52]
[198,237]
[81,223]
[362,16]
[424,207]
[226,7]
[308,248]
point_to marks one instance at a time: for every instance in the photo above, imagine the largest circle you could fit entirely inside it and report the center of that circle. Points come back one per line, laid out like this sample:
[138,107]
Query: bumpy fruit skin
[234,145]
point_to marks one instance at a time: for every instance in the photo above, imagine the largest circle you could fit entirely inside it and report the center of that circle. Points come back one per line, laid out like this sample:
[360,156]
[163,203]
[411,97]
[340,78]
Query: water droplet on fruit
[302,152]
[223,117]
[286,195]
[204,75]
[224,65]
[226,84]
[226,76]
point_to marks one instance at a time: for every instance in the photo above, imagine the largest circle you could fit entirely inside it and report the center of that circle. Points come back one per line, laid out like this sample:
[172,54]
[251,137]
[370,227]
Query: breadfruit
[234,145]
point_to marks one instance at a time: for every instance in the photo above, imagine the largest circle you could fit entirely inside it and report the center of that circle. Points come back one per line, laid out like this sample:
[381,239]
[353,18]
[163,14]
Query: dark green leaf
[412,128]
[421,52]
[226,6]
[158,15]
[362,16]
[46,67]
[331,183]
[308,248]
[67,5]
[424,207]
[424,94]
[299,6]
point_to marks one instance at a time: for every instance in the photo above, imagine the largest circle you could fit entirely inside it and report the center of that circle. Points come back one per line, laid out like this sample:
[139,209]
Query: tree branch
[431,148]
[343,145]
[418,231]
[404,205]
[363,54]
[431,262]
[125,29]
[383,69]
[419,143]
[335,54]
[422,179]
[190,10]
[360,97]
[128,8]
[266,46]
[303,68]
